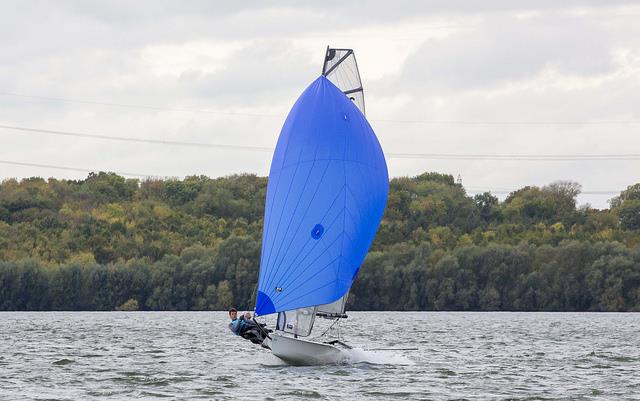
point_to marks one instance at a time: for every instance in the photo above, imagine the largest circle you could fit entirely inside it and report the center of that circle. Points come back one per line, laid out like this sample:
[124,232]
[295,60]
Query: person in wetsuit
[247,328]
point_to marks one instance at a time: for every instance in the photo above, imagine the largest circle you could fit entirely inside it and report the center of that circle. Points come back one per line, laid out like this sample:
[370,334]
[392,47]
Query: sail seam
[277,269]
[289,224]
[266,227]
[327,159]
[315,152]
[344,202]
[288,281]
[290,184]
[283,208]
[299,224]
[314,245]
[308,279]
[355,201]
[315,289]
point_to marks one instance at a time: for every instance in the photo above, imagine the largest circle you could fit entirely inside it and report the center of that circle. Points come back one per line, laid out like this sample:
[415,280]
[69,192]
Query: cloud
[502,51]
[229,72]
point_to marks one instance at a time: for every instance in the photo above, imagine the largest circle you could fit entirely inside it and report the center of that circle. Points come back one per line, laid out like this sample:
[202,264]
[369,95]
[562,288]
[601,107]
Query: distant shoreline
[108,242]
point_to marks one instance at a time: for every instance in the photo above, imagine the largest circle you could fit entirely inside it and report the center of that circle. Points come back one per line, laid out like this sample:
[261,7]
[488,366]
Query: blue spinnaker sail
[326,194]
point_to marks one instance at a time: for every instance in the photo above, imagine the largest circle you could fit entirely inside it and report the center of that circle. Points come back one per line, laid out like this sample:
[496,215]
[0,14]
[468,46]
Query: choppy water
[475,356]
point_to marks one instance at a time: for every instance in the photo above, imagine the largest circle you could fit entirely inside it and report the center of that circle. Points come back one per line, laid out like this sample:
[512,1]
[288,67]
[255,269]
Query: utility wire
[392,155]
[139,106]
[525,157]
[140,175]
[83,170]
[507,191]
[502,190]
[139,140]
[281,115]
[508,123]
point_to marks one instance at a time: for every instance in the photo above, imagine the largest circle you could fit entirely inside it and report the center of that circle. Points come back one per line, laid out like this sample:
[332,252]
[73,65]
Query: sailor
[246,327]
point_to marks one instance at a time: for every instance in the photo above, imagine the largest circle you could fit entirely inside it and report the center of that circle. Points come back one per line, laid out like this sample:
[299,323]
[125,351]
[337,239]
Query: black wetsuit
[247,329]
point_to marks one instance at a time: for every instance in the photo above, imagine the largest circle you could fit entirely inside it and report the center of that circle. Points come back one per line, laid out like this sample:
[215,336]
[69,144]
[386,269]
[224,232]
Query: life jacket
[237,326]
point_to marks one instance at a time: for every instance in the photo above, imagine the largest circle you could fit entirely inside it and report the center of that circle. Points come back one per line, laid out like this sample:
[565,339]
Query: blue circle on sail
[317,231]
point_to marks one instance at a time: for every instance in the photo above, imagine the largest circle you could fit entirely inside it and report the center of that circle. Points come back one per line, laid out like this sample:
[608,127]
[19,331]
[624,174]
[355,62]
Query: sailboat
[326,194]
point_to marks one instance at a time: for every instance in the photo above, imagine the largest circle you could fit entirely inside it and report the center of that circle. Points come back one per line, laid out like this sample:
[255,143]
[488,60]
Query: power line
[281,115]
[508,123]
[392,155]
[138,140]
[140,175]
[523,157]
[503,191]
[139,106]
[83,170]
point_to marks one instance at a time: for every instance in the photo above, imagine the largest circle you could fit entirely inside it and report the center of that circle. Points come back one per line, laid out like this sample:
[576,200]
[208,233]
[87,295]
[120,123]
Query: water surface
[192,355]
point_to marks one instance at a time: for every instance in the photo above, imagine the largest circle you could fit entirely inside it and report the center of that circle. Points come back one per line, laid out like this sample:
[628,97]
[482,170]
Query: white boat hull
[302,352]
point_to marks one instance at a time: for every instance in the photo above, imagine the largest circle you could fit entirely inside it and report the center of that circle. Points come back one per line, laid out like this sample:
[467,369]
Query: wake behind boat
[327,191]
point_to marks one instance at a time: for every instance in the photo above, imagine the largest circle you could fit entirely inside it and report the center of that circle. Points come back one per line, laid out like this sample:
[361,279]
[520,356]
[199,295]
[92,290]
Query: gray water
[192,355]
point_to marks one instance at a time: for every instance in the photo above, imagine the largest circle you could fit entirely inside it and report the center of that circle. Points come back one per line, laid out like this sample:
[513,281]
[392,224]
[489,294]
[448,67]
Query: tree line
[107,242]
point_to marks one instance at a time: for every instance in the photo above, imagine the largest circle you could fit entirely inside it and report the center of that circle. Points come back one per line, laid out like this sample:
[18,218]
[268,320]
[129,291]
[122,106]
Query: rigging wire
[335,323]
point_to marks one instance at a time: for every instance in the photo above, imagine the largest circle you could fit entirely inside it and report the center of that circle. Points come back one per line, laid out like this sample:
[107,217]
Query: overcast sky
[465,78]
